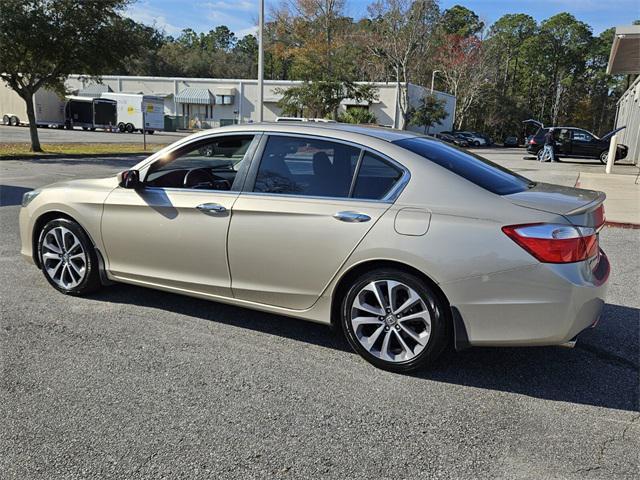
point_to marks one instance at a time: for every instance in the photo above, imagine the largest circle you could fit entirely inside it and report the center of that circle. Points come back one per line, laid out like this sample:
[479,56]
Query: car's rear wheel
[67,257]
[394,321]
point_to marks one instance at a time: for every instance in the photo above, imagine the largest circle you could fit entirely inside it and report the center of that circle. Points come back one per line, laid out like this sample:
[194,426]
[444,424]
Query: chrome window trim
[193,190]
[390,197]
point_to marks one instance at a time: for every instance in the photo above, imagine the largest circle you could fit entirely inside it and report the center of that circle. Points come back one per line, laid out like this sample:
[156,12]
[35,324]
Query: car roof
[382,133]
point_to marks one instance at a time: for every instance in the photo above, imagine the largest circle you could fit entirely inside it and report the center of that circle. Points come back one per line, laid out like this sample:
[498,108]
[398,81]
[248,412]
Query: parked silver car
[402,241]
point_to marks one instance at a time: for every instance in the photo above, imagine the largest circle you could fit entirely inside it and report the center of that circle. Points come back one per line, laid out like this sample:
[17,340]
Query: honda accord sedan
[404,243]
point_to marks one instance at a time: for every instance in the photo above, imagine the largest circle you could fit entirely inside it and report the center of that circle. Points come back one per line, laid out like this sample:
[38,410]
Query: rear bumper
[533,149]
[541,304]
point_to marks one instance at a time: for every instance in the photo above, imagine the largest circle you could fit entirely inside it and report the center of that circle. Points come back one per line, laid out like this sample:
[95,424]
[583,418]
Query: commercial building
[625,60]
[213,102]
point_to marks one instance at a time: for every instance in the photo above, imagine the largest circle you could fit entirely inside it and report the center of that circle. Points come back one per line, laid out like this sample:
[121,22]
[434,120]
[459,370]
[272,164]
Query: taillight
[551,243]
[532,141]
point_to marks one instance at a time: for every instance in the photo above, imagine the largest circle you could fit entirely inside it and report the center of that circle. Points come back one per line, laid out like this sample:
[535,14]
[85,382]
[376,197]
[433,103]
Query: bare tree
[463,66]
[402,33]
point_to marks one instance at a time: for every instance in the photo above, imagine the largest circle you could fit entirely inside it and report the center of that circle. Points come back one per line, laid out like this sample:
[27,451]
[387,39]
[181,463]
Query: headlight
[29,196]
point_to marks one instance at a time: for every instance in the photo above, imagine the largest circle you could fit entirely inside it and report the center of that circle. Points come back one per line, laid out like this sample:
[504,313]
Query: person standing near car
[549,154]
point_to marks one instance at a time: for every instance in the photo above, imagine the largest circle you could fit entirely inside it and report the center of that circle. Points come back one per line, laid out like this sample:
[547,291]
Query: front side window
[306,166]
[212,164]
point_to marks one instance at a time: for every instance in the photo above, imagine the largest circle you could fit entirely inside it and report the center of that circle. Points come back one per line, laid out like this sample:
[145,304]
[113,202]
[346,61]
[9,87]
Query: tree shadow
[11,195]
[602,370]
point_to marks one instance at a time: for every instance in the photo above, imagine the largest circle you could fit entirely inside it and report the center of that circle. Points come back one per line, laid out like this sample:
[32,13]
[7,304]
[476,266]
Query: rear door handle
[352,217]
[211,208]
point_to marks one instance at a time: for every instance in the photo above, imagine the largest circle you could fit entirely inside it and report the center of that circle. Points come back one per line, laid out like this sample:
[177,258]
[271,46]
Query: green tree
[321,99]
[459,20]
[43,41]
[357,115]
[429,112]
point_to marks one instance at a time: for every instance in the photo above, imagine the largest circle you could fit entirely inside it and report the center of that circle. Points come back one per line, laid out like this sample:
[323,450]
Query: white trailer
[133,108]
[48,106]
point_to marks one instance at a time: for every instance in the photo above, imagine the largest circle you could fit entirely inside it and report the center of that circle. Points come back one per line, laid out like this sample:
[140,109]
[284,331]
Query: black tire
[150,132]
[604,155]
[476,143]
[14,121]
[90,281]
[129,128]
[436,306]
[6,120]
[85,128]
[121,127]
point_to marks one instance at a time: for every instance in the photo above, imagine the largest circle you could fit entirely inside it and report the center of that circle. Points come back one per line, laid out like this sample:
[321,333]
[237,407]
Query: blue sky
[241,15]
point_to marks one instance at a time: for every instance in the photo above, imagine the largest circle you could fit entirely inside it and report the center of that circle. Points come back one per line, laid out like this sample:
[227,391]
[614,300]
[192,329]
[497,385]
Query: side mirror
[129,179]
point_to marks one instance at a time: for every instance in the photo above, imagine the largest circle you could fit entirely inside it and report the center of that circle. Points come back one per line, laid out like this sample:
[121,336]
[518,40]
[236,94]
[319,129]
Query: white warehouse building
[213,102]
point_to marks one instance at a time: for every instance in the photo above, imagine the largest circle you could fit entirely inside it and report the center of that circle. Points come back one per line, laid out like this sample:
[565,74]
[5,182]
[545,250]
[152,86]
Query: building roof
[194,95]
[625,51]
[94,90]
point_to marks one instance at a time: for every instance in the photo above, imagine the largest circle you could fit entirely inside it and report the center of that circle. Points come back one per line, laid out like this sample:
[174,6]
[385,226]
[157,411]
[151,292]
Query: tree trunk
[33,127]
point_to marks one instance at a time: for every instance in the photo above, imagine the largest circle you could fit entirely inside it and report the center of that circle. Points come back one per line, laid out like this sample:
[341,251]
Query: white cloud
[144,13]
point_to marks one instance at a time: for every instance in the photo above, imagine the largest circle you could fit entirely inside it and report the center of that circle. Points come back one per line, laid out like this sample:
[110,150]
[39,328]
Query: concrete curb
[613,224]
[73,155]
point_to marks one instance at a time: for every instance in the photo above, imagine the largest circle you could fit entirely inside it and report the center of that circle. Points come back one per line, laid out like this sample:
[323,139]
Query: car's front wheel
[67,257]
[394,320]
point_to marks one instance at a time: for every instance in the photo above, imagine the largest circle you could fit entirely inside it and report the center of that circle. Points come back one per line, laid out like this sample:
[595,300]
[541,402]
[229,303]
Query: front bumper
[541,304]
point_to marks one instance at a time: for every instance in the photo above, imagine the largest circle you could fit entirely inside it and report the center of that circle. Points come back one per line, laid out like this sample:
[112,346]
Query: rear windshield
[474,168]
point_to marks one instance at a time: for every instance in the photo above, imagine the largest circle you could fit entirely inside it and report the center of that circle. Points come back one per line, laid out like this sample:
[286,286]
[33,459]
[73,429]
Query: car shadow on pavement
[11,195]
[602,370]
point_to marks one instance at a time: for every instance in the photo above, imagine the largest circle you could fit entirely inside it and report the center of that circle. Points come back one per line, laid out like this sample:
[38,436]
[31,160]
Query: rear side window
[306,166]
[375,178]
[476,169]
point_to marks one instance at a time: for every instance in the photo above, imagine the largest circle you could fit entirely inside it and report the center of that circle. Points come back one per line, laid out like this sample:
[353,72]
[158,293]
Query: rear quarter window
[474,168]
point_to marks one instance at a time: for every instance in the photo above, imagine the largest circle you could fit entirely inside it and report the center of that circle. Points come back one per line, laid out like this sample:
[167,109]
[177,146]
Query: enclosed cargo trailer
[48,108]
[136,110]
[90,113]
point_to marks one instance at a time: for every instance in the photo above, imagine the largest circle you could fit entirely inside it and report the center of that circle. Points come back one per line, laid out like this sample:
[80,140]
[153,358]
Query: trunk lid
[579,206]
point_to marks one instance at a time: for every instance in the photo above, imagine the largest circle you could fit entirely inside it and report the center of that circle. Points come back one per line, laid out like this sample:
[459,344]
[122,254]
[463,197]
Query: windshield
[476,169]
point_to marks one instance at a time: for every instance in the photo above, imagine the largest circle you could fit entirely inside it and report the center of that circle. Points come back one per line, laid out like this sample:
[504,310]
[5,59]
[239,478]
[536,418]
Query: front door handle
[211,208]
[352,217]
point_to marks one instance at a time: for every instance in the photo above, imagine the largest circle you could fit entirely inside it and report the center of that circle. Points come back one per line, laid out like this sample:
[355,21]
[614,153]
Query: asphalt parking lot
[135,383]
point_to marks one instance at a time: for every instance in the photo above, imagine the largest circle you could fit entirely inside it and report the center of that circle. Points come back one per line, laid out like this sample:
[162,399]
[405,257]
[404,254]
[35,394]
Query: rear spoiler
[588,206]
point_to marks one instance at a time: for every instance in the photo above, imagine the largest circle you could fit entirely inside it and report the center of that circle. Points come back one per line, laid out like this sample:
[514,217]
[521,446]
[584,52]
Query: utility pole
[433,79]
[261,61]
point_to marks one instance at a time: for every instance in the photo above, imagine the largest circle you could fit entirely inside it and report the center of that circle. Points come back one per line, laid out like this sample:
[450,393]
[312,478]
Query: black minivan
[576,142]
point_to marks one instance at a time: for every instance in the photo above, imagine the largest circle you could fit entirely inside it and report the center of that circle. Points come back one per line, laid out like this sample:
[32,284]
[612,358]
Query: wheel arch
[342,286]
[46,217]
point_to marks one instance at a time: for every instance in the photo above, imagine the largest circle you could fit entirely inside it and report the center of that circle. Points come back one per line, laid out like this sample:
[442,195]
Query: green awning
[193,95]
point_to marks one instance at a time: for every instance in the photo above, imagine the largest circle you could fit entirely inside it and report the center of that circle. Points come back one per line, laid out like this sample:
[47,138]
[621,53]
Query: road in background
[54,135]
[133,383]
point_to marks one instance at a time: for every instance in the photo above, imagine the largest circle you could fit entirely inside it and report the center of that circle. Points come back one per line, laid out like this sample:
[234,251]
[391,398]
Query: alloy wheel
[391,320]
[63,257]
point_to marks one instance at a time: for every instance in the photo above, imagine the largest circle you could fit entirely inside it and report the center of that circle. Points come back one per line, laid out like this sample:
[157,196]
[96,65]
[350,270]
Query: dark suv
[576,142]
